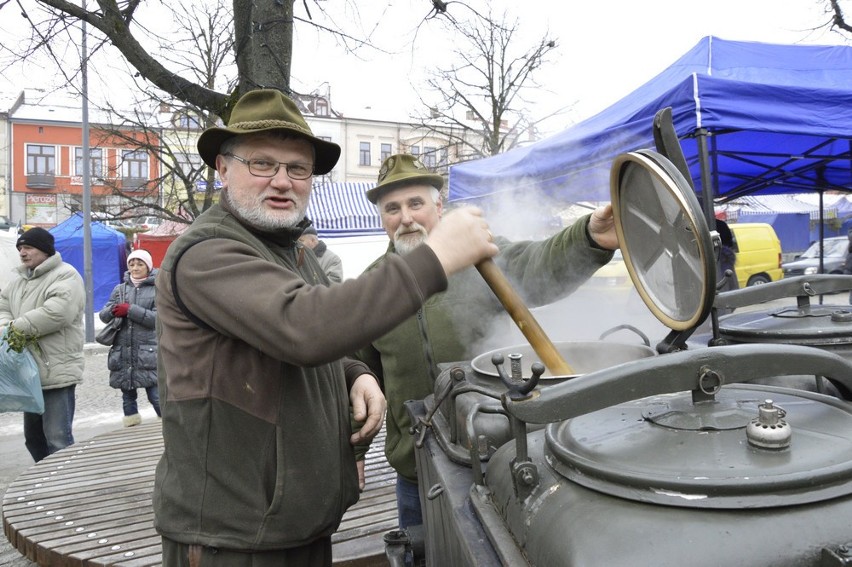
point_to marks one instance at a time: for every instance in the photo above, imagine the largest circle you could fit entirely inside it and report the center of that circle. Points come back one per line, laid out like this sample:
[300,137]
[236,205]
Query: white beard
[405,243]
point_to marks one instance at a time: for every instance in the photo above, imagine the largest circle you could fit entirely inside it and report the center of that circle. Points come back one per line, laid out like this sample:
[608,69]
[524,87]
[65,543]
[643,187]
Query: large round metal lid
[669,450]
[811,325]
[664,238]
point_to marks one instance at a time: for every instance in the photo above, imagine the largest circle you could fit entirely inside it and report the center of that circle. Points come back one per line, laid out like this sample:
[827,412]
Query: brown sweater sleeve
[242,295]
[353,368]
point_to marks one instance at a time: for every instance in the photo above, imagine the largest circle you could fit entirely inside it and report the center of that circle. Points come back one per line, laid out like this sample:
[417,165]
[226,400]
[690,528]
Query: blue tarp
[109,254]
[793,229]
[776,119]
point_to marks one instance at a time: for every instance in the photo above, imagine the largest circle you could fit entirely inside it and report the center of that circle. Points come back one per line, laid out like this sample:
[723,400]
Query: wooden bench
[90,505]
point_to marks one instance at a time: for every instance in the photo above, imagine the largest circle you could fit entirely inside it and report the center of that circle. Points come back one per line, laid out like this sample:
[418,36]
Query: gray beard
[405,245]
[257,218]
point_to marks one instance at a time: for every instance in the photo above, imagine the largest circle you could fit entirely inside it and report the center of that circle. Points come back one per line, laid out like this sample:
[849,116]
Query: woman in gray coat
[132,358]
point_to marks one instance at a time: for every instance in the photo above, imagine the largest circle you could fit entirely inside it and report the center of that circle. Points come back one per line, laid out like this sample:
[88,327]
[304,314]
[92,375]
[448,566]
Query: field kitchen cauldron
[667,457]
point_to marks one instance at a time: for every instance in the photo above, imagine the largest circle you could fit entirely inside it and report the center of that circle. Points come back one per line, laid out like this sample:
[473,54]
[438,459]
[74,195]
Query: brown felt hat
[401,170]
[266,110]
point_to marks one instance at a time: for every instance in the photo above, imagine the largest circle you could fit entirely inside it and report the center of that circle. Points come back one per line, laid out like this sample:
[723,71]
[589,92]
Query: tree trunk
[263,33]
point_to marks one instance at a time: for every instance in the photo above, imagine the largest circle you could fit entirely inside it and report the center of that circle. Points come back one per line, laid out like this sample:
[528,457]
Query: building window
[364,154]
[429,159]
[41,166]
[41,160]
[134,164]
[134,168]
[321,107]
[187,165]
[444,157]
[96,162]
[386,151]
[415,150]
[186,120]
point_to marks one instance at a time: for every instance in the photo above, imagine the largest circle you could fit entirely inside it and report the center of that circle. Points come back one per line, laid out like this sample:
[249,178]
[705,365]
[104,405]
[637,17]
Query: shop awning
[342,209]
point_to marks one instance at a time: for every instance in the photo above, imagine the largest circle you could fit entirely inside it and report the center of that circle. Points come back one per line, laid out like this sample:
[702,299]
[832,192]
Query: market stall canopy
[342,209]
[157,240]
[760,118]
[109,254]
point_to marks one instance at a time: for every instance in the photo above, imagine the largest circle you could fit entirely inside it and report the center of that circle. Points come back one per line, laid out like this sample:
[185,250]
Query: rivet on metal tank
[769,430]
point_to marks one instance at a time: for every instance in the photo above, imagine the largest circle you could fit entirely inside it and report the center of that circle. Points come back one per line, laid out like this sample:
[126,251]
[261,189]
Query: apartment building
[366,141]
[44,157]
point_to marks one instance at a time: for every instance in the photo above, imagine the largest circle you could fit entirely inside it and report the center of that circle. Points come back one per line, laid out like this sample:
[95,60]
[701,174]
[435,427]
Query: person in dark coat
[726,262]
[132,358]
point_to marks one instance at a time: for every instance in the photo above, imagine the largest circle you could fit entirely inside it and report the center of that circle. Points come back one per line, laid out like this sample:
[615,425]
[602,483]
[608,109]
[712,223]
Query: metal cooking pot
[806,320]
[466,412]
[674,445]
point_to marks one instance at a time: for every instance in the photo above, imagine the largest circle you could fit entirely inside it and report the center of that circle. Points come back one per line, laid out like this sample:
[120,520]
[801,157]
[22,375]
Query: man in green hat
[409,202]
[258,466]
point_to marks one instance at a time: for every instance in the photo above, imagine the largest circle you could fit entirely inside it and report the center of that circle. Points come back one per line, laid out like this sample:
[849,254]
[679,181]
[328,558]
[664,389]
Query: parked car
[834,256]
[147,223]
[758,252]
[5,223]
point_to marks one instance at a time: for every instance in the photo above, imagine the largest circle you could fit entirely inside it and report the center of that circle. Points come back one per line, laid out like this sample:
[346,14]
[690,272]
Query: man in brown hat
[409,202]
[256,392]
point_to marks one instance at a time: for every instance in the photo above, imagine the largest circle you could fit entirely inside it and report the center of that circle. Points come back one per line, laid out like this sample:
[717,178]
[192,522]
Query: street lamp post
[87,196]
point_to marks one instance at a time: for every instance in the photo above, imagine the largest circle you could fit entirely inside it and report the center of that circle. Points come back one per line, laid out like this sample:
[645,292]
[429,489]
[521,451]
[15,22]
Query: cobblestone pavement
[98,411]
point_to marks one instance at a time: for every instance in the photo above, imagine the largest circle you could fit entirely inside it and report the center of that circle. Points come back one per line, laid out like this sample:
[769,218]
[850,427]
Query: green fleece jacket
[453,322]
[255,385]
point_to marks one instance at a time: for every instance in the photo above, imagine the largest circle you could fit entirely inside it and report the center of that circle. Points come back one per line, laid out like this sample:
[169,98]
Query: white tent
[9,259]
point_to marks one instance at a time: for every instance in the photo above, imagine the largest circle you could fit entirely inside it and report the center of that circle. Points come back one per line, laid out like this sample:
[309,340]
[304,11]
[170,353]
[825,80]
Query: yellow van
[758,253]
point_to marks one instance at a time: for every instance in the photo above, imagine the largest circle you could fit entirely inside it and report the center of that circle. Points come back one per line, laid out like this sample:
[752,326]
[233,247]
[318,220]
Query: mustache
[413,228]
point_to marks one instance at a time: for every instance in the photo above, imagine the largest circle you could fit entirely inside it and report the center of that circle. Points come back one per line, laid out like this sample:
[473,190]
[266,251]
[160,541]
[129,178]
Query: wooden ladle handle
[539,341]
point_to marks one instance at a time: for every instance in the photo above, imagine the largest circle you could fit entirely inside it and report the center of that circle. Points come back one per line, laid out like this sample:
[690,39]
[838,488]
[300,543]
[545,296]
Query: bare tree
[214,52]
[262,45]
[166,128]
[838,19]
[478,101]
[262,33]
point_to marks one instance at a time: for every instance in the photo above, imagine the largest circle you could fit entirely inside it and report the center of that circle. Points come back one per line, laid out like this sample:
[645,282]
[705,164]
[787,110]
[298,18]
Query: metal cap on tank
[670,450]
[769,430]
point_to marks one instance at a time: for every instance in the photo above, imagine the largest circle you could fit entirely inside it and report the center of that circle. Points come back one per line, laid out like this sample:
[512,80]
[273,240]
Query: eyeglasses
[269,168]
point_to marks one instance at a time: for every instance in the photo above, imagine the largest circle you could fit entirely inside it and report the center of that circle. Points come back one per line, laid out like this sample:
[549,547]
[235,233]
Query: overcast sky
[605,49]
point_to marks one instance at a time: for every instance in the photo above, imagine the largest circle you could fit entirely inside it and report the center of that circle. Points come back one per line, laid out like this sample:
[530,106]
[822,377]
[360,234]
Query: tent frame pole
[707,185]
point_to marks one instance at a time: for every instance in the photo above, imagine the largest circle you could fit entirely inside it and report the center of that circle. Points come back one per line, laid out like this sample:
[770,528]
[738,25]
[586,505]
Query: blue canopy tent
[792,216]
[109,254]
[751,117]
